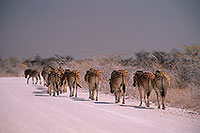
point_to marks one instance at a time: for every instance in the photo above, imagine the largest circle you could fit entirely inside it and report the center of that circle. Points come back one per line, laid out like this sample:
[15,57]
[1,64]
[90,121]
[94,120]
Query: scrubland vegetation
[183,66]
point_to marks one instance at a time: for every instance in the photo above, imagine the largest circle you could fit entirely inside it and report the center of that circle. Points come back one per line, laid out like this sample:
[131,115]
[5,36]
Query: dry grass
[182,68]
[8,75]
[188,98]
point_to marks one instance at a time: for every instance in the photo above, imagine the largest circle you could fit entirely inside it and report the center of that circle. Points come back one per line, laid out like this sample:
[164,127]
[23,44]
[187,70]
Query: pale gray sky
[90,27]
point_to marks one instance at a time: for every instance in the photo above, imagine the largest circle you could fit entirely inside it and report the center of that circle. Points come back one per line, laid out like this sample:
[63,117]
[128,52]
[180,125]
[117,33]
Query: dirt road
[26,108]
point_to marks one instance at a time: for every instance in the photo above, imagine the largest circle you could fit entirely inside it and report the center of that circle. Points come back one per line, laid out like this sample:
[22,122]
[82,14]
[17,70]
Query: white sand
[29,109]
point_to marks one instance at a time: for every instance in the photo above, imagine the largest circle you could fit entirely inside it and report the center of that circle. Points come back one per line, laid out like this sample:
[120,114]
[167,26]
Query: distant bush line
[183,66]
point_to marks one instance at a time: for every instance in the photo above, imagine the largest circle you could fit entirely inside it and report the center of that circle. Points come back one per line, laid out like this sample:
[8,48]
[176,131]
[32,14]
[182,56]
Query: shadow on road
[63,96]
[103,102]
[79,99]
[138,107]
[42,95]
[41,91]
[39,87]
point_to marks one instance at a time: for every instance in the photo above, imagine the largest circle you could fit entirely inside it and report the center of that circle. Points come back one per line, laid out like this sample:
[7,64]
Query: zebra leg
[33,80]
[76,91]
[60,89]
[90,92]
[97,93]
[36,80]
[158,100]
[49,90]
[70,90]
[116,99]
[73,90]
[54,87]
[163,102]
[44,82]
[40,80]
[140,92]
[145,97]
[64,87]
[93,93]
[119,96]
[148,96]
[28,79]
[123,102]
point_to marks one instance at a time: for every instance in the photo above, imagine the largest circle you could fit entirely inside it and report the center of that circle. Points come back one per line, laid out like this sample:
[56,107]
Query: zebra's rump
[93,73]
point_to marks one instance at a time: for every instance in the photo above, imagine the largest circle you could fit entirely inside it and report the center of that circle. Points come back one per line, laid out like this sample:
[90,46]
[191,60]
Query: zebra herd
[57,80]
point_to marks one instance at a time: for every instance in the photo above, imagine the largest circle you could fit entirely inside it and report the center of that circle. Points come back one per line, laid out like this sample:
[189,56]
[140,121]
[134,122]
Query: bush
[182,65]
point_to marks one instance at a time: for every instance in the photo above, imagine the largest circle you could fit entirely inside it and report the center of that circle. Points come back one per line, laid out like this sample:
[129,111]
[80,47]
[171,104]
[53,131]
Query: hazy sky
[90,27]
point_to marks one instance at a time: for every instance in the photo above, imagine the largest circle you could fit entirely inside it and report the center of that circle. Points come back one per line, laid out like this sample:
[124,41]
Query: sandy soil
[27,108]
